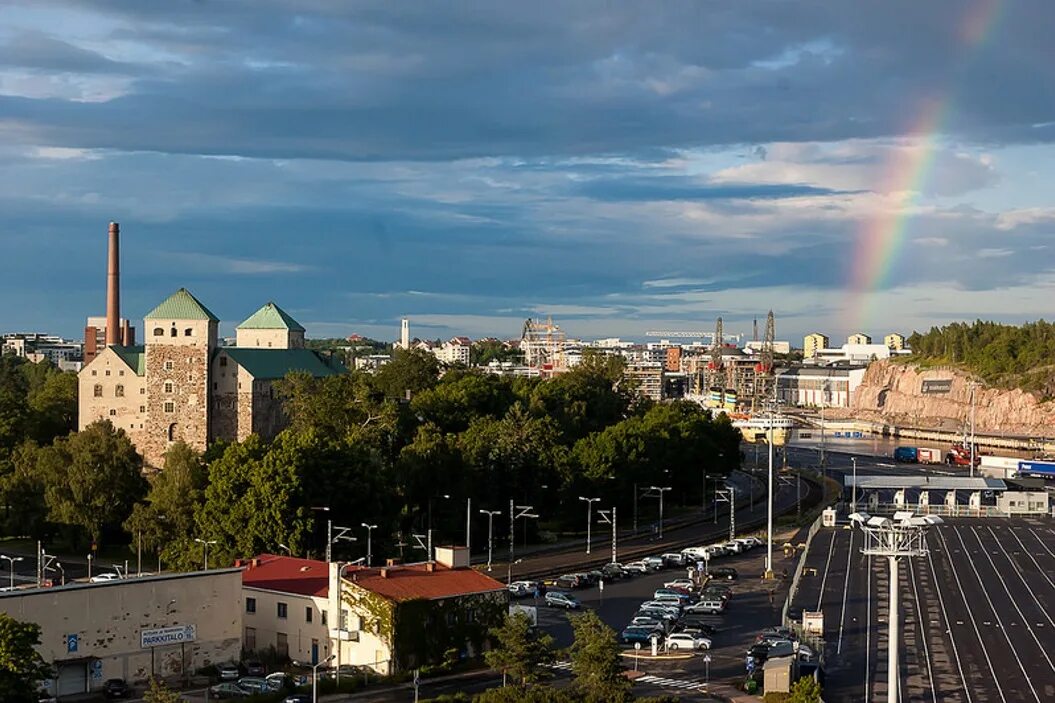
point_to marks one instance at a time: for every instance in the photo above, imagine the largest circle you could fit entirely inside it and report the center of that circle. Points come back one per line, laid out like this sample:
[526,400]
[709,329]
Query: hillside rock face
[894,394]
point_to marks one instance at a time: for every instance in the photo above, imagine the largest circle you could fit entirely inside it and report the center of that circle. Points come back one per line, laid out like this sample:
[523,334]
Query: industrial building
[819,386]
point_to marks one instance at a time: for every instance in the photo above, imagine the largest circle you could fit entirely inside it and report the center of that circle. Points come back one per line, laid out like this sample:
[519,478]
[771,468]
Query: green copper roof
[135,357]
[271,317]
[276,363]
[181,305]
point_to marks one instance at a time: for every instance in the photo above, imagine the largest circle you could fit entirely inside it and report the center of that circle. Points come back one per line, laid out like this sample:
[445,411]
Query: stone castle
[182,385]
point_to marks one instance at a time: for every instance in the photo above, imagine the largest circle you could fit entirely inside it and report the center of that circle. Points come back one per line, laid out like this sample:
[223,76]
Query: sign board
[162,636]
[97,669]
[813,622]
[936,386]
[600,585]
[71,644]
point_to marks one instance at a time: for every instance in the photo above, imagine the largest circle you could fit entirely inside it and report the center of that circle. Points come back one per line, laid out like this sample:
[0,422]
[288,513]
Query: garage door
[72,679]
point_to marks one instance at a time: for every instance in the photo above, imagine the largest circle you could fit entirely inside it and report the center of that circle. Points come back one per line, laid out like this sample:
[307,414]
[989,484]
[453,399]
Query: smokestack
[113,287]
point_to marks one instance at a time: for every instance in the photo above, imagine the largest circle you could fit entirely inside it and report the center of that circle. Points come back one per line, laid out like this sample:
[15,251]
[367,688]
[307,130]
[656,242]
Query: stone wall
[892,393]
[186,367]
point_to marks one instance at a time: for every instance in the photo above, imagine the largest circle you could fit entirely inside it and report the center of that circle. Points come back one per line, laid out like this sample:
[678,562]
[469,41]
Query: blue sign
[71,644]
[97,670]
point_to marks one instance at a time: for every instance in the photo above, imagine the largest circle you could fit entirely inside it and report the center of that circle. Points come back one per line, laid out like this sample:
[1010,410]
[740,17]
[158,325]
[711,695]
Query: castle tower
[270,327]
[180,336]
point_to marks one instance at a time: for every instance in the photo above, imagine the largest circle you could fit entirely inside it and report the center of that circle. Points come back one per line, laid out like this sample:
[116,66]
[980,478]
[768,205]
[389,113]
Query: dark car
[613,571]
[700,627]
[255,668]
[116,688]
[727,573]
[632,635]
[567,582]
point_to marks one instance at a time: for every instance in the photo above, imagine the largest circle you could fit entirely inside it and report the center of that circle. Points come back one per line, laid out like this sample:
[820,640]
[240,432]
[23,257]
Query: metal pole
[329,540]
[615,553]
[972,430]
[635,508]
[205,546]
[589,518]
[893,636]
[715,497]
[490,537]
[853,499]
[661,491]
[732,511]
[512,538]
[139,552]
[469,528]
[769,507]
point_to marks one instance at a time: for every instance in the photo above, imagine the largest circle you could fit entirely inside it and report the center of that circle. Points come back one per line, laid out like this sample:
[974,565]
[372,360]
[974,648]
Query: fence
[942,510]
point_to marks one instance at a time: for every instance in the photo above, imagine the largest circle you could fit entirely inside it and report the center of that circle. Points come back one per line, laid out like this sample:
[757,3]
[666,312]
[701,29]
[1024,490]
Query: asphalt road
[976,613]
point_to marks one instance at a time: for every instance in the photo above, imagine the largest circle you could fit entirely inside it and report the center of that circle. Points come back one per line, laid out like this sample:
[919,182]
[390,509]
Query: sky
[621,166]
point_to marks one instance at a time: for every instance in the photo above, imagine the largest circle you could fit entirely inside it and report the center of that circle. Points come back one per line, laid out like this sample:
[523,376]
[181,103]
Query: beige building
[812,342]
[167,626]
[454,351]
[858,339]
[649,377]
[894,341]
[181,385]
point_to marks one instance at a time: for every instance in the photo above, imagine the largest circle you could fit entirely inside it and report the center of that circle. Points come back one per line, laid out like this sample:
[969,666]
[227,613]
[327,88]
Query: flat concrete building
[812,342]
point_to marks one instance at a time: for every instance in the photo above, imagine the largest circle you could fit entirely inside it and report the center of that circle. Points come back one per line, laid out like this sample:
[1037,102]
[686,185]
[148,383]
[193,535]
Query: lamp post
[902,536]
[369,544]
[973,385]
[853,497]
[660,490]
[289,551]
[609,517]
[589,518]
[205,548]
[445,496]
[340,614]
[11,563]
[315,678]
[490,532]
[516,511]
[89,566]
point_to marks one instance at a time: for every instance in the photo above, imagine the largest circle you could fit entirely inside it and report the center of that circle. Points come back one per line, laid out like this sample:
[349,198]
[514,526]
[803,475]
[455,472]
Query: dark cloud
[683,188]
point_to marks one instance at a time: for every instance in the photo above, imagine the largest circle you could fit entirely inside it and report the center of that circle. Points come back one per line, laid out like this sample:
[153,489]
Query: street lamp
[205,548]
[340,613]
[428,533]
[11,562]
[330,539]
[89,566]
[660,491]
[853,498]
[490,532]
[369,544]
[904,535]
[288,550]
[315,678]
[589,518]
[524,512]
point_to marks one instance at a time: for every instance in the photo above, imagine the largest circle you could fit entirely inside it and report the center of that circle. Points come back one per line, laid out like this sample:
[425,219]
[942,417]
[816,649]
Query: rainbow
[904,175]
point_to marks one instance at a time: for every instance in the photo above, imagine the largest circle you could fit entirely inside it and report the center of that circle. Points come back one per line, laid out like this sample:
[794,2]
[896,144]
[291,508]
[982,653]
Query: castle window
[215,385]
[188,332]
[158,332]
[172,432]
[107,372]
[172,332]
[112,412]
[94,372]
[119,391]
[121,372]
[142,391]
[223,361]
[98,390]
[168,365]
[142,408]
[170,407]
[168,386]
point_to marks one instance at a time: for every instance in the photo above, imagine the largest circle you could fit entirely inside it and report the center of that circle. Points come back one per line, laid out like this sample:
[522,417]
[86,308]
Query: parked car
[779,632]
[670,606]
[654,563]
[633,635]
[567,581]
[103,578]
[228,671]
[613,571]
[707,607]
[702,629]
[254,667]
[657,614]
[227,690]
[520,589]
[684,640]
[674,559]
[726,573]
[595,576]
[733,547]
[687,584]
[651,622]
[116,688]
[664,593]
[637,567]
[558,599]
[254,684]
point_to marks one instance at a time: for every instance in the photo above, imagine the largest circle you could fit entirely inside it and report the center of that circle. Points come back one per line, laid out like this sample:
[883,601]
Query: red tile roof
[414,581]
[272,572]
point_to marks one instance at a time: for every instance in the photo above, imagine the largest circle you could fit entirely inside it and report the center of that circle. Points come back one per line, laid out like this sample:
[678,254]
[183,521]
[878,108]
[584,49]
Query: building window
[121,372]
[188,332]
[281,644]
[107,372]
[94,372]
[142,408]
[98,390]
[250,638]
[307,614]
[172,332]
[172,432]
[112,412]
[168,386]
[223,361]
[282,610]
[215,385]
[168,365]
[343,625]
[158,332]
[322,613]
[170,407]
[250,605]
[119,391]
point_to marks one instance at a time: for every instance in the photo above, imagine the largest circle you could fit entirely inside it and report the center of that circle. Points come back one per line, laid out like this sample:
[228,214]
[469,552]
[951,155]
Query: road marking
[970,615]
[923,633]
[824,579]
[1042,544]
[846,587]
[1022,578]
[671,683]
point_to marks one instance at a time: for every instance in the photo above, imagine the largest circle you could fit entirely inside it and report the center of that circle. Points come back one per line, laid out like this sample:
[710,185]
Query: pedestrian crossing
[683,684]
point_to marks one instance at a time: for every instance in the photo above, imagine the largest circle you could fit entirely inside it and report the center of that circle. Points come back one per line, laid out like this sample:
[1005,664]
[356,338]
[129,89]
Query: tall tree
[410,370]
[521,651]
[22,669]
[92,478]
[596,661]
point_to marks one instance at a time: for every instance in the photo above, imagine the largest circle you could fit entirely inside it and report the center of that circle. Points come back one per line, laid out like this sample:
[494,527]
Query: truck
[906,455]
[960,455]
[1036,467]
[929,455]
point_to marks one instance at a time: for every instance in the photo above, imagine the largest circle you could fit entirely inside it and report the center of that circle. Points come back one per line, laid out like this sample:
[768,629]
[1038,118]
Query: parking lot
[976,613]
[750,609]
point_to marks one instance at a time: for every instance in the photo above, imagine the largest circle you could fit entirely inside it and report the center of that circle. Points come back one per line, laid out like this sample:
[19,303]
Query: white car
[706,607]
[102,578]
[680,583]
[734,547]
[636,567]
[668,606]
[653,563]
[685,640]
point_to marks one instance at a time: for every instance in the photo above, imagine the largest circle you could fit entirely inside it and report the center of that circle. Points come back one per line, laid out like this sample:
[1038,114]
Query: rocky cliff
[894,393]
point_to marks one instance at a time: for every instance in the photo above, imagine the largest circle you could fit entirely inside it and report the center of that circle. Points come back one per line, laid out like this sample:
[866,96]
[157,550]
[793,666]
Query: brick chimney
[113,286]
